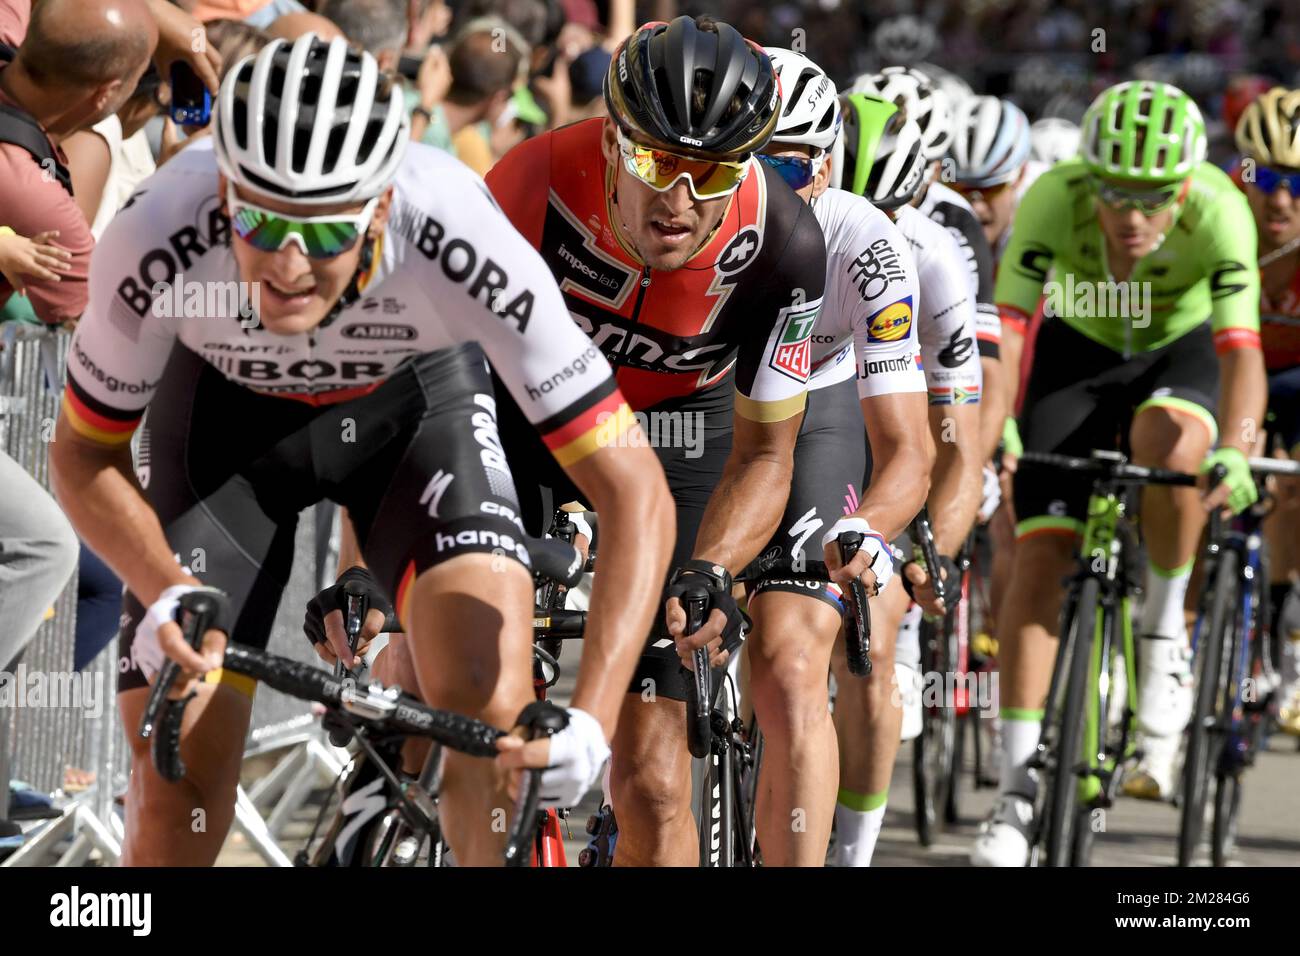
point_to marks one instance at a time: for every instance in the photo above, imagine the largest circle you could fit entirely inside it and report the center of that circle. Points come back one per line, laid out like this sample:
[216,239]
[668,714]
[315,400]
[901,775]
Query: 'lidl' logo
[891,323]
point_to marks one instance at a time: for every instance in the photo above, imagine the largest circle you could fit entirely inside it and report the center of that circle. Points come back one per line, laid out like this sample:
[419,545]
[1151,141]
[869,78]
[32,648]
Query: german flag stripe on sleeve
[1013,317]
[598,426]
[94,420]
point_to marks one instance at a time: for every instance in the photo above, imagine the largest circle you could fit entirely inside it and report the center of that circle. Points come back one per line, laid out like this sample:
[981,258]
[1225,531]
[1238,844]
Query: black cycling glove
[716,581]
[950,575]
[332,598]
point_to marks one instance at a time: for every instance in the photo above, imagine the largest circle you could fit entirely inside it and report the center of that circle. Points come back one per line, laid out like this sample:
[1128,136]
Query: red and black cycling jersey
[747,299]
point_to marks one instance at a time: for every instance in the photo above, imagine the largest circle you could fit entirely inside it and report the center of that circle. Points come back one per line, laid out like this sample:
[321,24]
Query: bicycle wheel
[1227,805]
[1064,798]
[933,749]
[1204,735]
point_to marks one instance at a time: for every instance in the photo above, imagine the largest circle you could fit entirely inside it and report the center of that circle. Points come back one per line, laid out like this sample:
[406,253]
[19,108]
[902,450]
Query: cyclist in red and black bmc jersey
[359,295]
[1268,135]
[698,274]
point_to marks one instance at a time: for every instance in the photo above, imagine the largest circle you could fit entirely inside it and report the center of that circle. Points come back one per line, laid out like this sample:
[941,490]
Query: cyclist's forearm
[957,484]
[97,489]
[1012,347]
[902,454]
[637,530]
[1244,397]
[746,506]
[993,407]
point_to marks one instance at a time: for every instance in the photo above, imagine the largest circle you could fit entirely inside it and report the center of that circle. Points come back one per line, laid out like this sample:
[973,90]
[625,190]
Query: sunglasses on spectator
[1146,201]
[987,193]
[1268,180]
[797,171]
[319,237]
[660,169]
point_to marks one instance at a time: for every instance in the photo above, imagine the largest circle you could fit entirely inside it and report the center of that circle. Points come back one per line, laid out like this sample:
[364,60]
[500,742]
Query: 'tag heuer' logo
[792,354]
[891,323]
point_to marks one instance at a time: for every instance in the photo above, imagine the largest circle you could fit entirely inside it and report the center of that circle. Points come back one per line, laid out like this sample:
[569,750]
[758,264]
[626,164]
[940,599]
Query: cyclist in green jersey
[1146,256]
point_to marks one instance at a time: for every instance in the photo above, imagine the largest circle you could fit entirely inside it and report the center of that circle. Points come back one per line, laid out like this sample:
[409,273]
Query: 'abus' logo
[379,330]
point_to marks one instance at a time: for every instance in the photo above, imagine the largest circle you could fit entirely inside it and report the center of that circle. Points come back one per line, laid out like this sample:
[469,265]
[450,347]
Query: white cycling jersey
[866,326]
[950,209]
[450,268]
[947,317]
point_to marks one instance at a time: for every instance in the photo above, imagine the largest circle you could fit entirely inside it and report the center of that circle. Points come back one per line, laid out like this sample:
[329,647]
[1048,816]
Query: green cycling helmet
[879,153]
[1143,131]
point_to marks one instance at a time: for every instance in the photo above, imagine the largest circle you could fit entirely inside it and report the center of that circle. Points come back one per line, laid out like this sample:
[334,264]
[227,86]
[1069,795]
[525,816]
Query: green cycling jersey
[1203,270]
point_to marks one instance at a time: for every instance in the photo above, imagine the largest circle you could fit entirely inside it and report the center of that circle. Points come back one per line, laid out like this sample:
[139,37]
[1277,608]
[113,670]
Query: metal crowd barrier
[38,743]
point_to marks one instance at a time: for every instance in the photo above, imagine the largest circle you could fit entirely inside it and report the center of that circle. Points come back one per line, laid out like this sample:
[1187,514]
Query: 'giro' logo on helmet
[690,142]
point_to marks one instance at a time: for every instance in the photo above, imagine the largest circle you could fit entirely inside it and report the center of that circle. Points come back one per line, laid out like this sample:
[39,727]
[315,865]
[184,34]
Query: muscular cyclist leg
[868,711]
[789,656]
[1027,632]
[470,635]
[650,784]
[185,823]
[1171,517]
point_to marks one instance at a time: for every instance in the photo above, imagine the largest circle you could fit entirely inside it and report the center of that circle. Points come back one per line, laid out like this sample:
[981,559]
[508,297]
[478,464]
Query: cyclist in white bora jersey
[865,365]
[882,159]
[380,276]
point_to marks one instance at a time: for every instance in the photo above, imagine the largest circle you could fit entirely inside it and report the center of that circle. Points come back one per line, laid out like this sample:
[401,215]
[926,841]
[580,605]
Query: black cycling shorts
[1083,396]
[417,462]
[829,460]
[692,438]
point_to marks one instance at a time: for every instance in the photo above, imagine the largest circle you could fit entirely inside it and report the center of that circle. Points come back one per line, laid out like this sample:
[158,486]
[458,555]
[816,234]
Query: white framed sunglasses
[319,237]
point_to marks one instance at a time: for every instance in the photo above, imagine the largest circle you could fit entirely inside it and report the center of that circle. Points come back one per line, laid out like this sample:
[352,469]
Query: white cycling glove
[146,650]
[873,543]
[578,755]
[992,495]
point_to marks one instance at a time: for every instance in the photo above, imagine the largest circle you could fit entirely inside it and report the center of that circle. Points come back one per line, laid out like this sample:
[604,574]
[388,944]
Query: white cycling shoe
[1003,839]
[1154,778]
[909,689]
[1164,687]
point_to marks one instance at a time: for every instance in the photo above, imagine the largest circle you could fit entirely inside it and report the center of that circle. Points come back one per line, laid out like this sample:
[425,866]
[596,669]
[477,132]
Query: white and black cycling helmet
[905,40]
[990,141]
[917,96]
[810,106]
[1052,139]
[880,153]
[315,123]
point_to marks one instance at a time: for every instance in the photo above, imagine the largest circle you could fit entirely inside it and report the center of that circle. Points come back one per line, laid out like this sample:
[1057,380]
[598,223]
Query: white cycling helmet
[990,141]
[918,97]
[810,108]
[906,39]
[1052,139]
[313,123]
[880,154]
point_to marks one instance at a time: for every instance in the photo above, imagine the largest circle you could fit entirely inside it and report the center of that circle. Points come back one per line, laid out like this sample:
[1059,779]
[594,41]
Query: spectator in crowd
[293,25]
[257,13]
[76,63]
[458,113]
[426,20]
[377,26]
[586,84]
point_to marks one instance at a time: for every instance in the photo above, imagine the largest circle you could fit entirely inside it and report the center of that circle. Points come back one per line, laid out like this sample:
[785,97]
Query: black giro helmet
[702,90]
